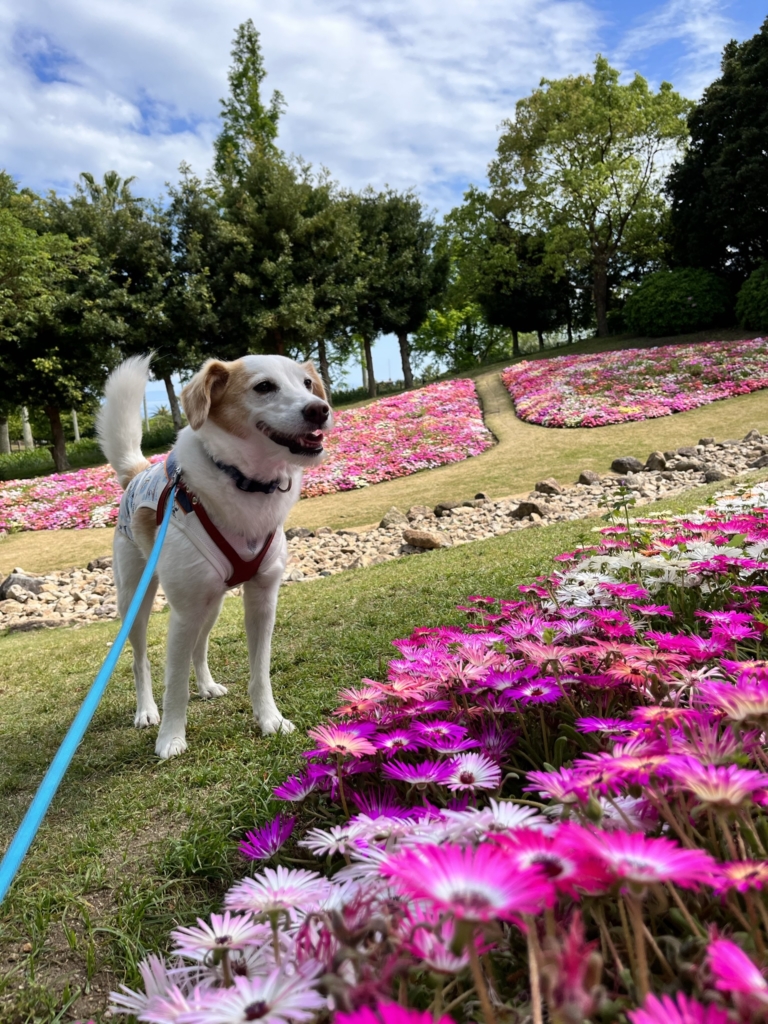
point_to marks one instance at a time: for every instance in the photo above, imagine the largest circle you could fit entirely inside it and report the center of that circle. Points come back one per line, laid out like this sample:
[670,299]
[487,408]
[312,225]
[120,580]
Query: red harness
[242,571]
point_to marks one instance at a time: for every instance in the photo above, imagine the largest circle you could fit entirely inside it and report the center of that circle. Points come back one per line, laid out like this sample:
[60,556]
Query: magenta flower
[389,1013]
[473,772]
[341,740]
[735,974]
[297,787]
[678,1010]
[543,690]
[419,775]
[742,875]
[567,865]
[724,786]
[638,861]
[475,884]
[266,841]
[226,931]
[395,741]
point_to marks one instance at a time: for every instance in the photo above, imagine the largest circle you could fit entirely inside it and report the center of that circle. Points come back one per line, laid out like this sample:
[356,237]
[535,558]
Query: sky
[405,93]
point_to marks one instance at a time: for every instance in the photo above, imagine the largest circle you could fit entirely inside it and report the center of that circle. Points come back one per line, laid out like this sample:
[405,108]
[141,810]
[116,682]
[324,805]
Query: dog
[254,425]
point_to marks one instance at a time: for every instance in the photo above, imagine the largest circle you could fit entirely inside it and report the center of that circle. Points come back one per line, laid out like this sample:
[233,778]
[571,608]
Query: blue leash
[46,791]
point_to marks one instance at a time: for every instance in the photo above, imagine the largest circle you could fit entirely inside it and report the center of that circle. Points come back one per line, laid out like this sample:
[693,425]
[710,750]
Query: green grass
[134,846]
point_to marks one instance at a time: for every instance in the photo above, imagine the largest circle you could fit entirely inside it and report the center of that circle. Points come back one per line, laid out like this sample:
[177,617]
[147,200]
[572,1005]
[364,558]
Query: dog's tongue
[314,440]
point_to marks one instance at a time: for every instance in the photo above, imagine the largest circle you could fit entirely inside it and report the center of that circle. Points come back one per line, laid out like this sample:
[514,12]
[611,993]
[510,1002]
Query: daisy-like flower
[419,775]
[543,690]
[225,931]
[279,997]
[680,1010]
[336,839]
[158,981]
[359,700]
[567,866]
[342,740]
[725,786]
[471,883]
[564,786]
[735,973]
[747,699]
[297,787]
[388,1013]
[266,841]
[638,861]
[389,743]
[742,875]
[277,889]
[429,935]
[440,730]
[472,772]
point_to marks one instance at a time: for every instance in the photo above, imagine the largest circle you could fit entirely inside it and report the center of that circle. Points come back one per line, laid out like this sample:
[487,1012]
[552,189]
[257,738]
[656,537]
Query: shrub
[677,302]
[752,300]
[86,452]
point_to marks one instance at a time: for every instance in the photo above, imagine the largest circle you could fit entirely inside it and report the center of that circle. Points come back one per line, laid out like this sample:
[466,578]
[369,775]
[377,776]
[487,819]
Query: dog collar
[248,484]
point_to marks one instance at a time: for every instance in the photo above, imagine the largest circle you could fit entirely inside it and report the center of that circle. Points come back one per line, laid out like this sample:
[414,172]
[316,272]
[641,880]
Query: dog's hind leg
[260,599]
[206,686]
[128,566]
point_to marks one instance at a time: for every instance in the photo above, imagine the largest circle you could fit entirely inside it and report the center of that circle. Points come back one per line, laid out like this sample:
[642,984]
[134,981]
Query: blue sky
[407,93]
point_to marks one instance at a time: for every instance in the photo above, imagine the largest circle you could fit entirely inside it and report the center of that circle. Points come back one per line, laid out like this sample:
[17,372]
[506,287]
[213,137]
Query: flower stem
[226,970]
[636,914]
[695,928]
[533,971]
[341,787]
[479,981]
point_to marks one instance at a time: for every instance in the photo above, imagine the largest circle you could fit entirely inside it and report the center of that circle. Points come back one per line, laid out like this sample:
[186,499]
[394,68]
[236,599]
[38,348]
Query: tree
[462,338]
[248,125]
[582,162]
[719,217]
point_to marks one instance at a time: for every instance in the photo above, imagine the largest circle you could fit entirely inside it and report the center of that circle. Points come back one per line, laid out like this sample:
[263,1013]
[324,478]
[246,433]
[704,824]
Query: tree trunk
[75,425]
[541,339]
[325,373]
[405,356]
[515,342]
[174,402]
[600,292]
[5,441]
[58,449]
[26,430]
[369,367]
[570,323]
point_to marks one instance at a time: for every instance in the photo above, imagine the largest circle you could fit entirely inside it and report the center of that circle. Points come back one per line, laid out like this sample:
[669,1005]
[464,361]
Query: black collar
[245,483]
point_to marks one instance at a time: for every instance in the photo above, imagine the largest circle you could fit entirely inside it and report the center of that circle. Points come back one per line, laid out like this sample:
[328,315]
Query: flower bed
[634,384]
[561,804]
[392,437]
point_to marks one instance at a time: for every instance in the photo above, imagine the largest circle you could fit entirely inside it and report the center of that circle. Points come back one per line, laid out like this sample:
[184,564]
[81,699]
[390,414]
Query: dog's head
[260,397]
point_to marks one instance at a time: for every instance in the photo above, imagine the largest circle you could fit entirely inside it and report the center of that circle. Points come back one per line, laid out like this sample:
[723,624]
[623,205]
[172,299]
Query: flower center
[467,778]
[223,940]
[255,1011]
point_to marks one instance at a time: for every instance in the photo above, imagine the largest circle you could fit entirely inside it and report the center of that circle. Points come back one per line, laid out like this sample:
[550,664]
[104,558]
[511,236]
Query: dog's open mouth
[303,444]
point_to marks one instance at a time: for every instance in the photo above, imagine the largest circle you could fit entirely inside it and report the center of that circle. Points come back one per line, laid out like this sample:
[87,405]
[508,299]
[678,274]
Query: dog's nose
[316,412]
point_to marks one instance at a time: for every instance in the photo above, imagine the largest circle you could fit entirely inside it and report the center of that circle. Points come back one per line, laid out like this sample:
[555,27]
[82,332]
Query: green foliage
[582,164]
[678,302]
[719,217]
[461,338]
[752,300]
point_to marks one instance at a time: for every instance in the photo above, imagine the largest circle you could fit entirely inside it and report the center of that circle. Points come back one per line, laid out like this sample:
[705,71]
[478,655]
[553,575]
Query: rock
[528,508]
[295,575]
[626,464]
[296,532]
[426,539]
[18,594]
[753,435]
[548,486]
[480,496]
[418,512]
[348,533]
[655,462]
[11,607]
[705,442]
[670,456]
[394,517]
[687,450]
[445,506]
[588,477]
[759,463]
[29,583]
[100,563]
[324,531]
[685,465]
[712,475]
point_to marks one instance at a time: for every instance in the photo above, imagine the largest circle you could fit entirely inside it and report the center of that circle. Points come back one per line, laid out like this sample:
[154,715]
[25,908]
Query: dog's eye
[308,384]
[264,387]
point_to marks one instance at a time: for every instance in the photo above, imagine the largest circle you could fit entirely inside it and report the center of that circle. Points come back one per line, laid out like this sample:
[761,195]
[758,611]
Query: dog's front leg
[183,631]
[260,600]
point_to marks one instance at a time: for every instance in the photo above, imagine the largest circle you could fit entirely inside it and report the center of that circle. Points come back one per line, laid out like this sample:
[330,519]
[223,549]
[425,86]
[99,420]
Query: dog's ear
[197,396]
[318,388]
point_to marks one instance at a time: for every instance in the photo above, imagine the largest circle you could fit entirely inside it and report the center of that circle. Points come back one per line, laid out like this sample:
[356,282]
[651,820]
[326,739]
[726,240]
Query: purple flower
[267,840]
[419,775]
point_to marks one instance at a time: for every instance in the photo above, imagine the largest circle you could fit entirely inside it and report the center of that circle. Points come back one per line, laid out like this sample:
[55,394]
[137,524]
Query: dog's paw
[171,746]
[146,717]
[209,690]
[271,724]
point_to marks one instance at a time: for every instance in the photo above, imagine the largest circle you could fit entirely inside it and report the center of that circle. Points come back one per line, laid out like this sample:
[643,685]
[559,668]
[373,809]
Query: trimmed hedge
[752,300]
[678,302]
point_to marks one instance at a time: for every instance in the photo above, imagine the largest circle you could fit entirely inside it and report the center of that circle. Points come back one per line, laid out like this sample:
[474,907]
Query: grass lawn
[134,846]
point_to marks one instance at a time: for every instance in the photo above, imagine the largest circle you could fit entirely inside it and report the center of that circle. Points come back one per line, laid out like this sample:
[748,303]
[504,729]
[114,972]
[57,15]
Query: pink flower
[226,931]
[388,1013]
[678,1010]
[475,884]
[742,875]
[632,858]
[419,775]
[277,889]
[341,740]
[726,786]
[735,974]
[472,772]
[278,997]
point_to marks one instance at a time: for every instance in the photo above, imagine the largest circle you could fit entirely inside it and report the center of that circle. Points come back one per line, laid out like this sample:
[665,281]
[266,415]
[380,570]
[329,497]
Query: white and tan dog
[255,424]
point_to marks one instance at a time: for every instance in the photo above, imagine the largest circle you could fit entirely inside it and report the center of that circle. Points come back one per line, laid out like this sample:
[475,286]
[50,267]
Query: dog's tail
[118,423]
